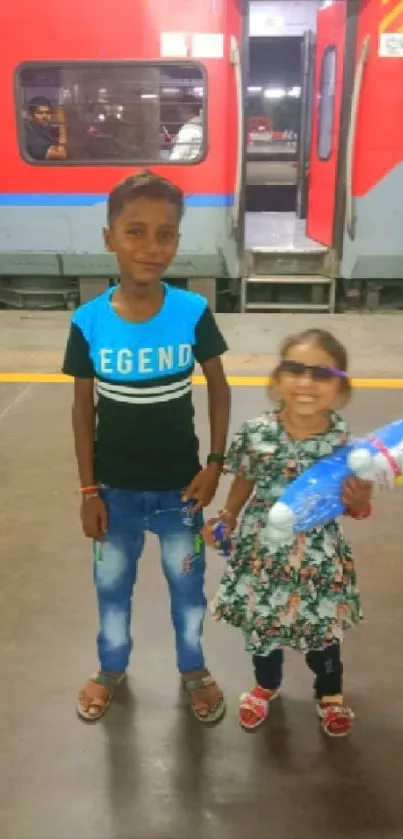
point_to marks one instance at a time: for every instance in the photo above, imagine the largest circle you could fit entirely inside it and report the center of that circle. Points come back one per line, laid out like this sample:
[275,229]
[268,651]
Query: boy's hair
[326,342]
[144,185]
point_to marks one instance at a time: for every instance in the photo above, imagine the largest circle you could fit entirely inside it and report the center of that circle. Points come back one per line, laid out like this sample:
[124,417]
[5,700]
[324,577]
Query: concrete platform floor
[34,342]
[149,770]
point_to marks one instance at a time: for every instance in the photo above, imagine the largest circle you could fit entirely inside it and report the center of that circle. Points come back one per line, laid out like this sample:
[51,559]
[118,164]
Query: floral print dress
[303,596]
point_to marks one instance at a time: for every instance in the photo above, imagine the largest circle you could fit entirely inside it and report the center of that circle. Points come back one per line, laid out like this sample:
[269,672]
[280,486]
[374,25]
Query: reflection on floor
[278,232]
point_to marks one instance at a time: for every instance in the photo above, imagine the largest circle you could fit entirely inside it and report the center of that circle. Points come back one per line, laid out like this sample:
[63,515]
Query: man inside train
[188,142]
[45,132]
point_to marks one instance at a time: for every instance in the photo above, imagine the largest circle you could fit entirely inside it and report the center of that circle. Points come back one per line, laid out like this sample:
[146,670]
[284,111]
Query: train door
[328,87]
[304,137]
[373,223]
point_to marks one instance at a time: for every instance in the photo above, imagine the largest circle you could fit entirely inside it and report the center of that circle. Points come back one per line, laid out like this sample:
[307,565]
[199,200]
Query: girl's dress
[303,596]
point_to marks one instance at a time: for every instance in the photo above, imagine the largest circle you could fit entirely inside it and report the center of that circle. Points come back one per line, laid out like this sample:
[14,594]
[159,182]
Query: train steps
[287,280]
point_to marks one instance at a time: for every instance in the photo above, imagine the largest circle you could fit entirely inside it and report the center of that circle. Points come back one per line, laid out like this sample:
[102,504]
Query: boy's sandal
[202,710]
[336,720]
[255,704]
[101,699]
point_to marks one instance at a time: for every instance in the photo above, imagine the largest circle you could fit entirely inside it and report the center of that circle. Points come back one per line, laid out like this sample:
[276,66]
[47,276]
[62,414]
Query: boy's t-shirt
[145,435]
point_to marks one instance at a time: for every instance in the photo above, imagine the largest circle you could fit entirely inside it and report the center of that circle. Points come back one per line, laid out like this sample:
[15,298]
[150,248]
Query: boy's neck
[138,303]
[132,292]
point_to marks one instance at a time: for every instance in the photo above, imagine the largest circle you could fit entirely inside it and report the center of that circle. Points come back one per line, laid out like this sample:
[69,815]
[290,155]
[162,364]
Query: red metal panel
[123,30]
[323,173]
[379,135]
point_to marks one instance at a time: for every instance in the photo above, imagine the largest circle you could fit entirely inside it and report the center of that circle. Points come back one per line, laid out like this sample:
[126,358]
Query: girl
[302,597]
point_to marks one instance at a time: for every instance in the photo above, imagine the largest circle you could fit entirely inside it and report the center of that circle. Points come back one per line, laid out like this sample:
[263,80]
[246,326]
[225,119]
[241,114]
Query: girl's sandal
[336,720]
[204,712]
[254,707]
[101,697]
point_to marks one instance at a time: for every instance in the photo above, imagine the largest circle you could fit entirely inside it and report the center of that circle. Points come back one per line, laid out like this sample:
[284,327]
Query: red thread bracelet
[360,516]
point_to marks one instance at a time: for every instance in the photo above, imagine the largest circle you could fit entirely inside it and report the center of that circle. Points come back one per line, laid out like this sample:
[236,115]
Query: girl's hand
[208,530]
[94,518]
[357,496]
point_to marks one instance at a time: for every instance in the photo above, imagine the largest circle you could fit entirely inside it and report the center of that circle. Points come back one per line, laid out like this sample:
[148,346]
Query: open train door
[373,223]
[304,136]
[328,88]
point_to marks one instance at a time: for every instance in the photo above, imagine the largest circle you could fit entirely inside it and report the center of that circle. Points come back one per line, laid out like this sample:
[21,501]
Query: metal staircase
[287,280]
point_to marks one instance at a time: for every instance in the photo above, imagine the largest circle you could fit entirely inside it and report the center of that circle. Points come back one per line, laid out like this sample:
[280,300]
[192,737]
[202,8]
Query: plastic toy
[315,497]
[222,542]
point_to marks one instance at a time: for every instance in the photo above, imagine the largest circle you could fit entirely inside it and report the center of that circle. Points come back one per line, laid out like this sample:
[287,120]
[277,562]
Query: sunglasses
[318,372]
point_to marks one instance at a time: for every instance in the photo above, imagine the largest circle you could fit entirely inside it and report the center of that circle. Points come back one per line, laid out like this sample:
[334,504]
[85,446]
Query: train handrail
[235,57]
[355,103]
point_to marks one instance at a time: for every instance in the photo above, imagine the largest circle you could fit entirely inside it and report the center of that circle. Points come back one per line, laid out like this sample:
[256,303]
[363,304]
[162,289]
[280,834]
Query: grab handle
[235,58]
[355,103]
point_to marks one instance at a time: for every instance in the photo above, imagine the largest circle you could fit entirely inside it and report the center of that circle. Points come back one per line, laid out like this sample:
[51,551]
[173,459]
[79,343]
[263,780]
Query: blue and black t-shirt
[145,436]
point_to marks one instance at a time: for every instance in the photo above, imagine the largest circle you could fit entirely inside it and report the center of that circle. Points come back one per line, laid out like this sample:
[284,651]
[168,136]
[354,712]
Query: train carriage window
[112,113]
[326,103]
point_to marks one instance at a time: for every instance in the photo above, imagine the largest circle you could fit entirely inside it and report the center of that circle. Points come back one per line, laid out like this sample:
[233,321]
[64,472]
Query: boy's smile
[144,237]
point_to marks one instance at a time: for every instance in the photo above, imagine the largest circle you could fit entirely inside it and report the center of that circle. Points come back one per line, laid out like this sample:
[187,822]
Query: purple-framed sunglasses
[318,372]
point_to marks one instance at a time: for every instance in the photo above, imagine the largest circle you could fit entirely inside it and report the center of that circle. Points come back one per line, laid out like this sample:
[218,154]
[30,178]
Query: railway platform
[149,770]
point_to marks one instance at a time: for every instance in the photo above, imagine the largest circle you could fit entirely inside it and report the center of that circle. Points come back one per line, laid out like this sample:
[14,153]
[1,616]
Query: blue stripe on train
[33,199]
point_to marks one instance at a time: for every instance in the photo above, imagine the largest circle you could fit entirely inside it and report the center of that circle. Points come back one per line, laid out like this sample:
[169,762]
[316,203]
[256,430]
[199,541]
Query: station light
[274,93]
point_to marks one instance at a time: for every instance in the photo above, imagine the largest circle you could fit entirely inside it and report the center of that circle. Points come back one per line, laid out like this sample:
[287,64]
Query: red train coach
[356,162]
[94,93]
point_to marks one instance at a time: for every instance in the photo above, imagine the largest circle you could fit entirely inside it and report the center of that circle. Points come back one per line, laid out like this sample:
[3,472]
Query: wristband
[360,516]
[92,488]
[217,459]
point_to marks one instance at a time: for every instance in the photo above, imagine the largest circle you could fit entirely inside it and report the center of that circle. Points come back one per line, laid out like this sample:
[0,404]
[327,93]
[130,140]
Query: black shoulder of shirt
[77,358]
[209,341]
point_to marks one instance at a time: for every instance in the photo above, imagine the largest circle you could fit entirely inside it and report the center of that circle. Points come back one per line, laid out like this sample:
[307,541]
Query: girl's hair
[326,342]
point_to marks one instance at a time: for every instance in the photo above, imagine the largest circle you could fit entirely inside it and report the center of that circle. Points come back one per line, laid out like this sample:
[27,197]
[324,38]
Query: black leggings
[326,664]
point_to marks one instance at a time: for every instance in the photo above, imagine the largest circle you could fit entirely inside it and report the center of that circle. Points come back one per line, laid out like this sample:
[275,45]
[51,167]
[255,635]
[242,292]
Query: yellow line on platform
[234,381]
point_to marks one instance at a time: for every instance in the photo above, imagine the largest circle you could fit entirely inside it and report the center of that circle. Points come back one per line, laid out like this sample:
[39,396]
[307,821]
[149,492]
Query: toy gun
[315,497]
[223,542]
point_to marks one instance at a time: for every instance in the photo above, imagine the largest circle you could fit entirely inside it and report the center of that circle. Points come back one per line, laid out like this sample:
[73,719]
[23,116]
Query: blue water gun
[315,497]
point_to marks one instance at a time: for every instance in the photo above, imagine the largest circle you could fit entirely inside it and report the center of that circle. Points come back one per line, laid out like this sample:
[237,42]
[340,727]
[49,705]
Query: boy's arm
[78,363]
[83,415]
[208,348]
[219,405]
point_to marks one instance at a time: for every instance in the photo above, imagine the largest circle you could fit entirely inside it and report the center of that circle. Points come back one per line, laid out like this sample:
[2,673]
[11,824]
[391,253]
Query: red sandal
[256,703]
[336,719]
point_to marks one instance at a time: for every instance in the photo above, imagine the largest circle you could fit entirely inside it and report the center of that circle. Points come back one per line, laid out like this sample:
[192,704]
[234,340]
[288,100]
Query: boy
[140,471]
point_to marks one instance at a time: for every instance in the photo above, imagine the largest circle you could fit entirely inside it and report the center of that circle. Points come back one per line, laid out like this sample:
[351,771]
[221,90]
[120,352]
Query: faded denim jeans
[130,514]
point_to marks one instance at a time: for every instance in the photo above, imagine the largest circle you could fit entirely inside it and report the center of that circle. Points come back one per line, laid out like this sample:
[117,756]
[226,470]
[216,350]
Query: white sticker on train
[207,45]
[391,45]
[174,44]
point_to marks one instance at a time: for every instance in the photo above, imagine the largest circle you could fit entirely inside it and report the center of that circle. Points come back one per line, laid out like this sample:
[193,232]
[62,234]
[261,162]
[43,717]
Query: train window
[326,103]
[111,113]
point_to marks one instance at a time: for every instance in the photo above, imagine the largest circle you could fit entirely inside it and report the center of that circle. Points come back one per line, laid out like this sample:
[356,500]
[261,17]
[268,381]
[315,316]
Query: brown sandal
[202,711]
[99,705]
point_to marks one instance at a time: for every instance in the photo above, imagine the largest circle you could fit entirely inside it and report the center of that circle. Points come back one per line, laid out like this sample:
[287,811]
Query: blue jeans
[130,515]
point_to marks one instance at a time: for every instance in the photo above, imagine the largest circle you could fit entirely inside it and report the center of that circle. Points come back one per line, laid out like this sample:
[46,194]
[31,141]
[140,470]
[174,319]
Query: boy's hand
[203,487]
[94,518]
[357,495]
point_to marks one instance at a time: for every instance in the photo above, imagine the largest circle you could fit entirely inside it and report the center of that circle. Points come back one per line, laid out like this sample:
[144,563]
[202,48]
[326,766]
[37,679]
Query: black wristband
[215,458]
